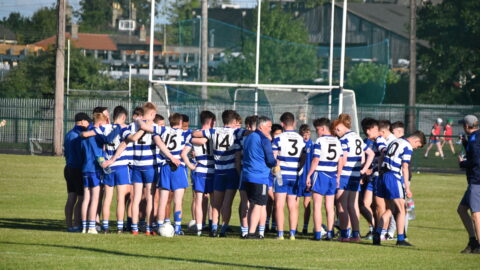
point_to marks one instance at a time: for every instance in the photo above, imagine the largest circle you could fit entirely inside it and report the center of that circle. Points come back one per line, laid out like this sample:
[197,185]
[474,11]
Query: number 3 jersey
[290,146]
[175,140]
[398,152]
[226,143]
[329,150]
[354,145]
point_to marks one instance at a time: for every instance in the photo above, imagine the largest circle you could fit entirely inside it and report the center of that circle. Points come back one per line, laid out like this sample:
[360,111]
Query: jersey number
[294,147]
[332,151]
[141,141]
[358,149]
[206,148]
[224,143]
[392,149]
[172,143]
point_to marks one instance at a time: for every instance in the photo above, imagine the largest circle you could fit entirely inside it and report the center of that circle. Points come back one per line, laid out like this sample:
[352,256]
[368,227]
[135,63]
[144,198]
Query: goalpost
[346,98]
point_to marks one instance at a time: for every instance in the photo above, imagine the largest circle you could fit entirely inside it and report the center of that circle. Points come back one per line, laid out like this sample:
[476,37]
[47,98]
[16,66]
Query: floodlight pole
[151,56]
[330,60]
[257,55]
[342,57]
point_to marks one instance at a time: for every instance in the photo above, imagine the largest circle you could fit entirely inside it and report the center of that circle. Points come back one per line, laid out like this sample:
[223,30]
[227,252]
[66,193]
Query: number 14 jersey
[225,143]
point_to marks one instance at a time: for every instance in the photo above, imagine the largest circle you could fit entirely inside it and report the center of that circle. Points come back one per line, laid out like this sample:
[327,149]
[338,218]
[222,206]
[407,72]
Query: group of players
[149,164]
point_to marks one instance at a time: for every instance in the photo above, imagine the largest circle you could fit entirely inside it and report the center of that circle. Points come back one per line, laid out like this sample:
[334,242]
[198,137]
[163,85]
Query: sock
[378,230]
[349,232]
[84,224]
[119,224]
[178,221]
[267,224]
[142,223]
[105,225]
[244,230]
[356,234]
[383,233]
[370,229]
[167,220]
[129,223]
[401,237]
[148,228]
[318,235]
[305,226]
[160,223]
[199,227]
[91,224]
[280,233]
[154,225]
[134,227]
[210,222]
[330,234]
[261,230]
[274,225]
[293,232]
[224,228]
[214,227]
[344,233]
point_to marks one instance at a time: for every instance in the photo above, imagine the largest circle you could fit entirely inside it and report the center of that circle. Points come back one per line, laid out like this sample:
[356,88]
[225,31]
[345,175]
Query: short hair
[185,118]
[287,118]
[319,122]
[119,110]
[251,121]
[228,116]
[238,117]
[138,111]
[205,116]
[262,120]
[384,124]
[175,119]
[420,135]
[398,124]
[345,120]
[303,129]
[149,106]
[99,109]
[368,123]
[276,127]
[158,117]
[99,117]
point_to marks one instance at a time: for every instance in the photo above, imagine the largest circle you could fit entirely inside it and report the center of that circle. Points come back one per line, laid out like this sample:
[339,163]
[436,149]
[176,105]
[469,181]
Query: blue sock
[214,227]
[105,225]
[148,228]
[177,217]
[356,234]
[349,232]
[84,224]
[293,232]
[129,223]
[274,225]
[378,230]
[91,224]
[167,220]
[261,230]
[318,235]
[224,228]
[244,230]
[280,233]
[119,224]
[344,233]
[134,227]
[401,237]
[330,234]
[305,226]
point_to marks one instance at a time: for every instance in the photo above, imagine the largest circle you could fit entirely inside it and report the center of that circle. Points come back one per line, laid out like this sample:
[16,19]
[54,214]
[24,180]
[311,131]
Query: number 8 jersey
[289,145]
[354,145]
[329,150]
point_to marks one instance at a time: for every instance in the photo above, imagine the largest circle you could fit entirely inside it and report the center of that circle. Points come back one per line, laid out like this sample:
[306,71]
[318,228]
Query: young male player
[398,129]
[434,139]
[322,177]
[448,133]
[304,131]
[394,183]
[287,149]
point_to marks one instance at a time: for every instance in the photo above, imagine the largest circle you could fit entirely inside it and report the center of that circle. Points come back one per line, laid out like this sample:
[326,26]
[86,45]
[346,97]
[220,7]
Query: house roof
[18,49]
[85,41]
[6,34]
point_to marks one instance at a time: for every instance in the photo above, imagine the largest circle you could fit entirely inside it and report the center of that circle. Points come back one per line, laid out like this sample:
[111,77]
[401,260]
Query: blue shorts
[120,176]
[173,180]
[343,182]
[324,183]
[229,180]
[302,190]
[202,182]
[92,179]
[144,176]
[350,183]
[368,184]
[288,186]
[390,187]
[433,141]
[471,198]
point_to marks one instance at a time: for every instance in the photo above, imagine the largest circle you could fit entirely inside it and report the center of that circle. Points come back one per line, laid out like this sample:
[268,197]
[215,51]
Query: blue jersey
[226,143]
[112,146]
[377,146]
[175,140]
[354,145]
[289,146]
[203,158]
[91,150]
[329,151]
[472,161]
[398,152]
[72,146]
[309,148]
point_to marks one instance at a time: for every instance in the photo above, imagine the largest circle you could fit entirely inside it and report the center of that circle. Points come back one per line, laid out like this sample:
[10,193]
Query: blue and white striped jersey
[377,146]
[145,149]
[203,158]
[398,152]
[110,148]
[175,140]
[289,145]
[225,144]
[354,145]
[390,139]
[329,150]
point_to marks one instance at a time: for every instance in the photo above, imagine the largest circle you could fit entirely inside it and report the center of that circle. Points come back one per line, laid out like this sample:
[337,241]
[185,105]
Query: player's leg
[164,194]
[71,198]
[205,206]
[92,209]
[354,214]
[168,207]
[263,220]
[77,210]
[270,208]
[343,217]
[400,219]
[243,211]
[292,204]
[148,207]
[108,195]
[330,213]
[367,212]
[217,202]
[280,199]
[178,204]
[121,194]
[317,215]
[199,205]
[439,147]
[85,204]
[227,209]
[306,213]
[137,197]
[428,149]
[450,142]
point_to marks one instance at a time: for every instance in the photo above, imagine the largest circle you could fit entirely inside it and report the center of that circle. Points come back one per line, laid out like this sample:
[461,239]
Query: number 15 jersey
[329,150]
[290,146]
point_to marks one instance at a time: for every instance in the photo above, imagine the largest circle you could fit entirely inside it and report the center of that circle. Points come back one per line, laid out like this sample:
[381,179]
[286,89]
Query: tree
[41,25]
[450,67]
[95,16]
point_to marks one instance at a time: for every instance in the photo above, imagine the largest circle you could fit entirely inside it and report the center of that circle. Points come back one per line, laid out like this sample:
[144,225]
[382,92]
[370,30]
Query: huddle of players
[337,166]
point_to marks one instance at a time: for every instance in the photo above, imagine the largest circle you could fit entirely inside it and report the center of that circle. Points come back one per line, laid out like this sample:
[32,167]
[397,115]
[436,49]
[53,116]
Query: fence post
[29,132]
[16,130]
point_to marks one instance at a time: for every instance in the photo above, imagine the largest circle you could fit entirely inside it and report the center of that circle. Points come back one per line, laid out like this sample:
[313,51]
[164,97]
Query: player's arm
[165,150]
[118,152]
[238,161]
[406,177]
[341,162]
[313,167]
[88,133]
[185,158]
[135,137]
[198,134]
[199,141]
[270,159]
[370,155]
[144,126]
[474,147]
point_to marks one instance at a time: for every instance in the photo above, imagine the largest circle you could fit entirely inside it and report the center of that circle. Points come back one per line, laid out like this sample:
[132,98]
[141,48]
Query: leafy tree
[41,25]
[450,67]
[95,16]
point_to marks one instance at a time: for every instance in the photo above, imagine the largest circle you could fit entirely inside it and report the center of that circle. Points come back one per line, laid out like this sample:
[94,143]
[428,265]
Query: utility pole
[59,81]
[412,86]
[204,49]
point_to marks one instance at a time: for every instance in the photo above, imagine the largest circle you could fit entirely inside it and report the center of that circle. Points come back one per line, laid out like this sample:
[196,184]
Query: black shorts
[256,193]
[73,176]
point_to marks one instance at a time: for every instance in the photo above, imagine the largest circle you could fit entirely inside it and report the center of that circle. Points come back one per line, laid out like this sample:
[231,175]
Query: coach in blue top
[257,160]
[73,172]
[471,199]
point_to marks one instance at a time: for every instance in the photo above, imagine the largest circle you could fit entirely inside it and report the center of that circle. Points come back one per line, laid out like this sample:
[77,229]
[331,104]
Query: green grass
[32,233]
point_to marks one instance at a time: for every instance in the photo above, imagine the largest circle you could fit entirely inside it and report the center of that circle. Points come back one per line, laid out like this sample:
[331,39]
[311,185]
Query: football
[167,230]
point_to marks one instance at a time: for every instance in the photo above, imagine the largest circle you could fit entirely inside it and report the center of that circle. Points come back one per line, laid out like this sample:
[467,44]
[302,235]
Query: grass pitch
[32,233]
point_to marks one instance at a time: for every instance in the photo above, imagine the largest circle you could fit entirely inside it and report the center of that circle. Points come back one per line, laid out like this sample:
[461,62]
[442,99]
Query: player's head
[238,120]
[370,128]
[287,120]
[229,117]
[304,131]
[398,129]
[149,111]
[175,120]
[103,110]
[207,118]
[137,113]
[99,119]
[470,123]
[384,128]
[449,121]
[185,122]
[439,121]
[322,126]
[343,124]
[159,120]
[417,139]
[120,115]
[276,130]
[264,125]
[82,119]
[251,122]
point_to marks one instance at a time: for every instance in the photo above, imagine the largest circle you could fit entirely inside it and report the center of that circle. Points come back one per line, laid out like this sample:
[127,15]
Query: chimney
[143,33]
[74,30]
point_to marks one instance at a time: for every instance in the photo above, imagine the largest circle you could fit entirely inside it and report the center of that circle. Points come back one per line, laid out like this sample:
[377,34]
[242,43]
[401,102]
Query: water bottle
[106,170]
[278,174]
[410,209]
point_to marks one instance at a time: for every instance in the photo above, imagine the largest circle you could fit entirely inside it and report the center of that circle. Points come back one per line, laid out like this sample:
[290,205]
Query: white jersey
[390,139]
[398,152]
[145,149]
[290,146]
[110,148]
[354,145]
[174,139]
[329,150]
[226,143]
[204,159]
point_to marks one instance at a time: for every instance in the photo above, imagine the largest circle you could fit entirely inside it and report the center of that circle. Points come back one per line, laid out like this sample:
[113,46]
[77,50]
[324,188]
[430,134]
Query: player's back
[204,158]
[175,139]
[144,149]
[290,146]
[398,151]
[354,145]
[225,142]
[110,148]
[329,150]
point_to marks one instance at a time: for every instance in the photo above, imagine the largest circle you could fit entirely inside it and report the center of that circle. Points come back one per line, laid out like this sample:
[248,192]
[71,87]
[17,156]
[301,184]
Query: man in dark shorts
[471,200]
[257,160]
[73,172]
